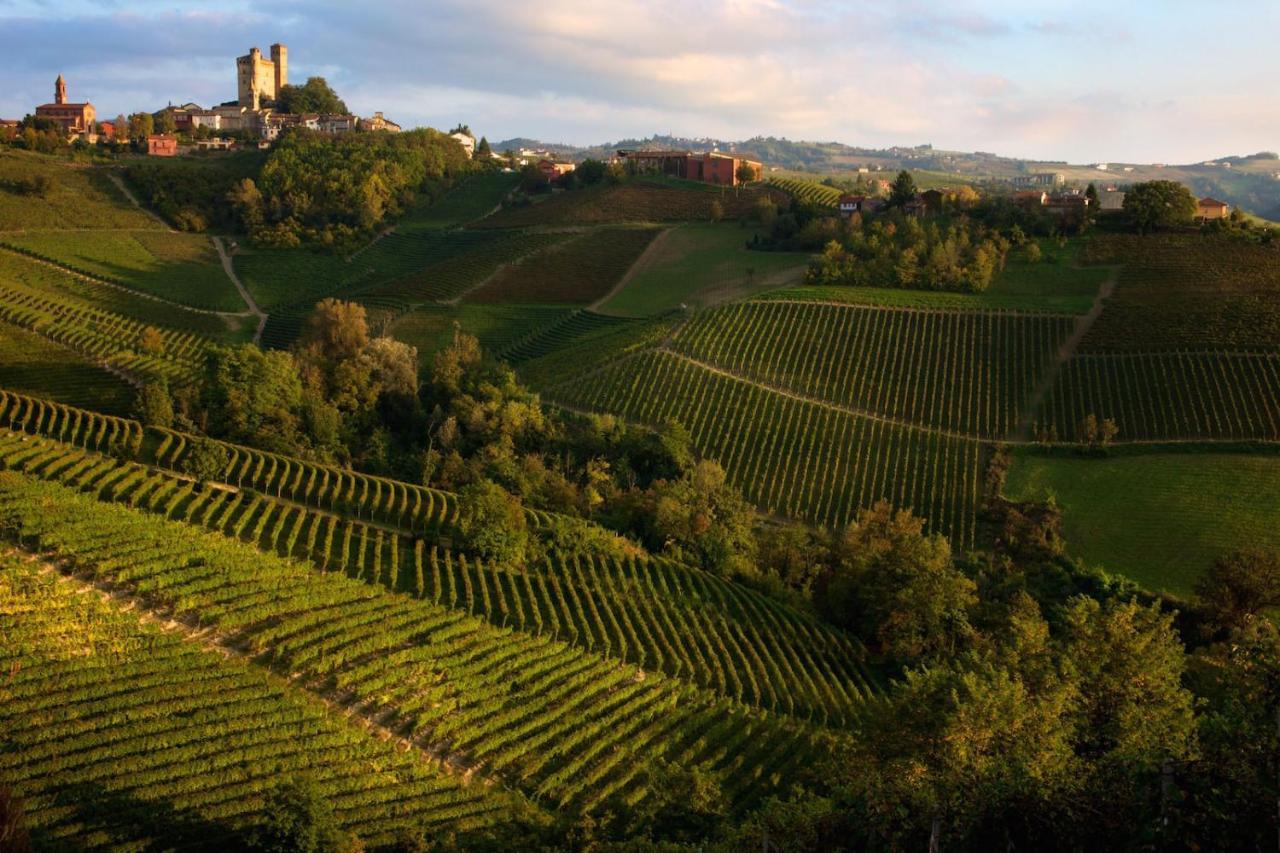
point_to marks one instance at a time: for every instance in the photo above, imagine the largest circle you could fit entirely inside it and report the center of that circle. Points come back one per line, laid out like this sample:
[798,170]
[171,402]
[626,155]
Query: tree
[483,150]
[766,212]
[590,171]
[154,406]
[165,122]
[716,212]
[492,522]
[141,125]
[151,341]
[1034,254]
[205,460]
[252,396]
[315,96]
[1159,204]
[701,517]
[1091,193]
[897,587]
[336,330]
[1240,586]
[246,200]
[297,818]
[745,173]
[14,837]
[902,190]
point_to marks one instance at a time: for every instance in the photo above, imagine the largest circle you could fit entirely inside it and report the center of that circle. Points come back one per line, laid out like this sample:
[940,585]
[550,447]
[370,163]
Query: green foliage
[897,588]
[1239,587]
[492,522]
[1159,204]
[903,189]
[699,517]
[296,818]
[314,96]
[205,461]
[154,406]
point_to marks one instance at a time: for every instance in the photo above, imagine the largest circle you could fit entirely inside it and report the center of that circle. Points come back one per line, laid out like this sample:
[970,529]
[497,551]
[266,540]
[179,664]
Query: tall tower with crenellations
[259,79]
[60,90]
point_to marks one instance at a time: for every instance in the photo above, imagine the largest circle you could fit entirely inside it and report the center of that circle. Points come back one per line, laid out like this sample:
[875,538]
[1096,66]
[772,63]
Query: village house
[467,141]
[553,170]
[1110,200]
[1209,209]
[379,122]
[1031,198]
[860,204]
[1068,204]
[215,144]
[1040,179]
[162,145]
[75,119]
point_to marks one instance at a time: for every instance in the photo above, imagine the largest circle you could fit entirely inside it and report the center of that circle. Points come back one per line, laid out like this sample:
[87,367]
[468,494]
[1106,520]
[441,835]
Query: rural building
[258,79]
[1067,204]
[1031,198]
[1040,179]
[1110,201]
[215,144]
[337,123]
[553,170]
[711,167]
[1209,209]
[162,145]
[467,141]
[915,207]
[74,118]
[861,204]
[379,122]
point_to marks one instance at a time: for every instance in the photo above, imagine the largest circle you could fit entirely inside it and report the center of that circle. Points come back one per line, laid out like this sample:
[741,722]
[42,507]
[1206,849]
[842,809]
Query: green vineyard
[970,373]
[179,751]
[808,192]
[790,455]
[34,365]
[564,725]
[1170,395]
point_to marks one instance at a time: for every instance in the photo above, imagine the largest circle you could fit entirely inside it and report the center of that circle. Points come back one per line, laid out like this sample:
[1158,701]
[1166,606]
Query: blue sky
[1139,80]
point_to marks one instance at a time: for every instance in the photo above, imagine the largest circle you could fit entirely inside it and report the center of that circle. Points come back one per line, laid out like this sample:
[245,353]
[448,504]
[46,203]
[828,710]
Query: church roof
[61,106]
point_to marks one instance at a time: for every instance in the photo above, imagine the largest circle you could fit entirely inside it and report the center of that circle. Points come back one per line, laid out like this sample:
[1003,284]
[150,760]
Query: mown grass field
[80,197]
[178,267]
[1159,518]
[578,271]
[698,264]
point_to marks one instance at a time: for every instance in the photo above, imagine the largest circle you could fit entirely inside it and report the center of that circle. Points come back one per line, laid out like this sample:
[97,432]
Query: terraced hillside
[36,365]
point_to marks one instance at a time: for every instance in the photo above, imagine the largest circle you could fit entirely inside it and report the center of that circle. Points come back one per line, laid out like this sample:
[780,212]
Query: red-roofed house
[162,145]
[1209,209]
[551,170]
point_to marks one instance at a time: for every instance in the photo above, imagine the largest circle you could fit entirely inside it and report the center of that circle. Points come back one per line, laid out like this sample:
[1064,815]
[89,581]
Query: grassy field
[578,271]
[34,365]
[700,264]
[1058,283]
[80,197]
[1158,518]
[175,266]
[473,199]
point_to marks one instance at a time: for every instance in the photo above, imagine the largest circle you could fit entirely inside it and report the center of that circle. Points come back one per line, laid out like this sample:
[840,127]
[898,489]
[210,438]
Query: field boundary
[133,199]
[654,245]
[230,270]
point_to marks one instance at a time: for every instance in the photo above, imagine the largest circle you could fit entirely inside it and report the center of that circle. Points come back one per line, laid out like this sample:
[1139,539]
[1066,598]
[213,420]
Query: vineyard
[809,192]
[474,198]
[135,765]
[33,365]
[1170,395]
[636,201]
[748,647]
[563,725]
[970,373]
[79,197]
[182,268]
[577,272]
[789,455]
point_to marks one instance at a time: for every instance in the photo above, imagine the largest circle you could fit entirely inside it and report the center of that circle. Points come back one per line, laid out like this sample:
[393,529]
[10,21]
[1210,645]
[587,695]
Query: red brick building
[74,118]
[552,171]
[711,168]
[162,145]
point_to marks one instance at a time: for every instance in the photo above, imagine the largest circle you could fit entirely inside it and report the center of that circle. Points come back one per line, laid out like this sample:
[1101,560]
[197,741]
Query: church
[74,118]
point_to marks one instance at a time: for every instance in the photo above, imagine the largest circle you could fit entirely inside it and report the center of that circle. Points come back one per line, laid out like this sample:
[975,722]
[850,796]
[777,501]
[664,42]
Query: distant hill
[1250,181]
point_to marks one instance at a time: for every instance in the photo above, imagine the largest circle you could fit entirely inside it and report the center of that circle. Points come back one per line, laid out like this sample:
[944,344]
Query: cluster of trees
[892,250]
[314,96]
[335,190]
[193,195]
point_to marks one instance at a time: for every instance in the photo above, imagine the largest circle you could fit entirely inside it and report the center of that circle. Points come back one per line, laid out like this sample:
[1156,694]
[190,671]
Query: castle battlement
[258,79]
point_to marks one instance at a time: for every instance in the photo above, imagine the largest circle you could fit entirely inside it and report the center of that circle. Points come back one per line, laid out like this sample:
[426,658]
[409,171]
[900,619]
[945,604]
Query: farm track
[128,193]
[653,248]
[244,292]
[1063,355]
[235,646]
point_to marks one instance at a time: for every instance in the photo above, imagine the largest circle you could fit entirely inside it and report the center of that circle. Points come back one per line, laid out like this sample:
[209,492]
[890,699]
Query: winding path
[128,193]
[230,270]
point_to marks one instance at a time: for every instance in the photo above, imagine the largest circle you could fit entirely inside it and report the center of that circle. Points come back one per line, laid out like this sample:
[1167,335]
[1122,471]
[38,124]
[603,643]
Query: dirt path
[230,270]
[128,193]
[1063,355]
[638,265]
[237,646]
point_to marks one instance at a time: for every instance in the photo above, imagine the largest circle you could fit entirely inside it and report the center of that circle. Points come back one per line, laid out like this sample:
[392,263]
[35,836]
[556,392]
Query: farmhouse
[860,204]
[711,167]
[1031,198]
[553,170]
[162,145]
[1110,201]
[1209,209]
[74,118]
[379,122]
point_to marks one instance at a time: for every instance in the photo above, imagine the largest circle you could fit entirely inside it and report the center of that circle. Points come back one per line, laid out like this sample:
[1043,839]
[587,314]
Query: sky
[1140,81]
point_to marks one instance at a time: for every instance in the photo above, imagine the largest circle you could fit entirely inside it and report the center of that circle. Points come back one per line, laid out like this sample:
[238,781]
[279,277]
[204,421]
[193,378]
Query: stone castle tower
[60,90]
[259,79]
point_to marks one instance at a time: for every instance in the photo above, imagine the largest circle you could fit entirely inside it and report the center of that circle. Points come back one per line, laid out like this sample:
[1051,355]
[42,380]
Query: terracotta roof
[51,106]
[1212,202]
